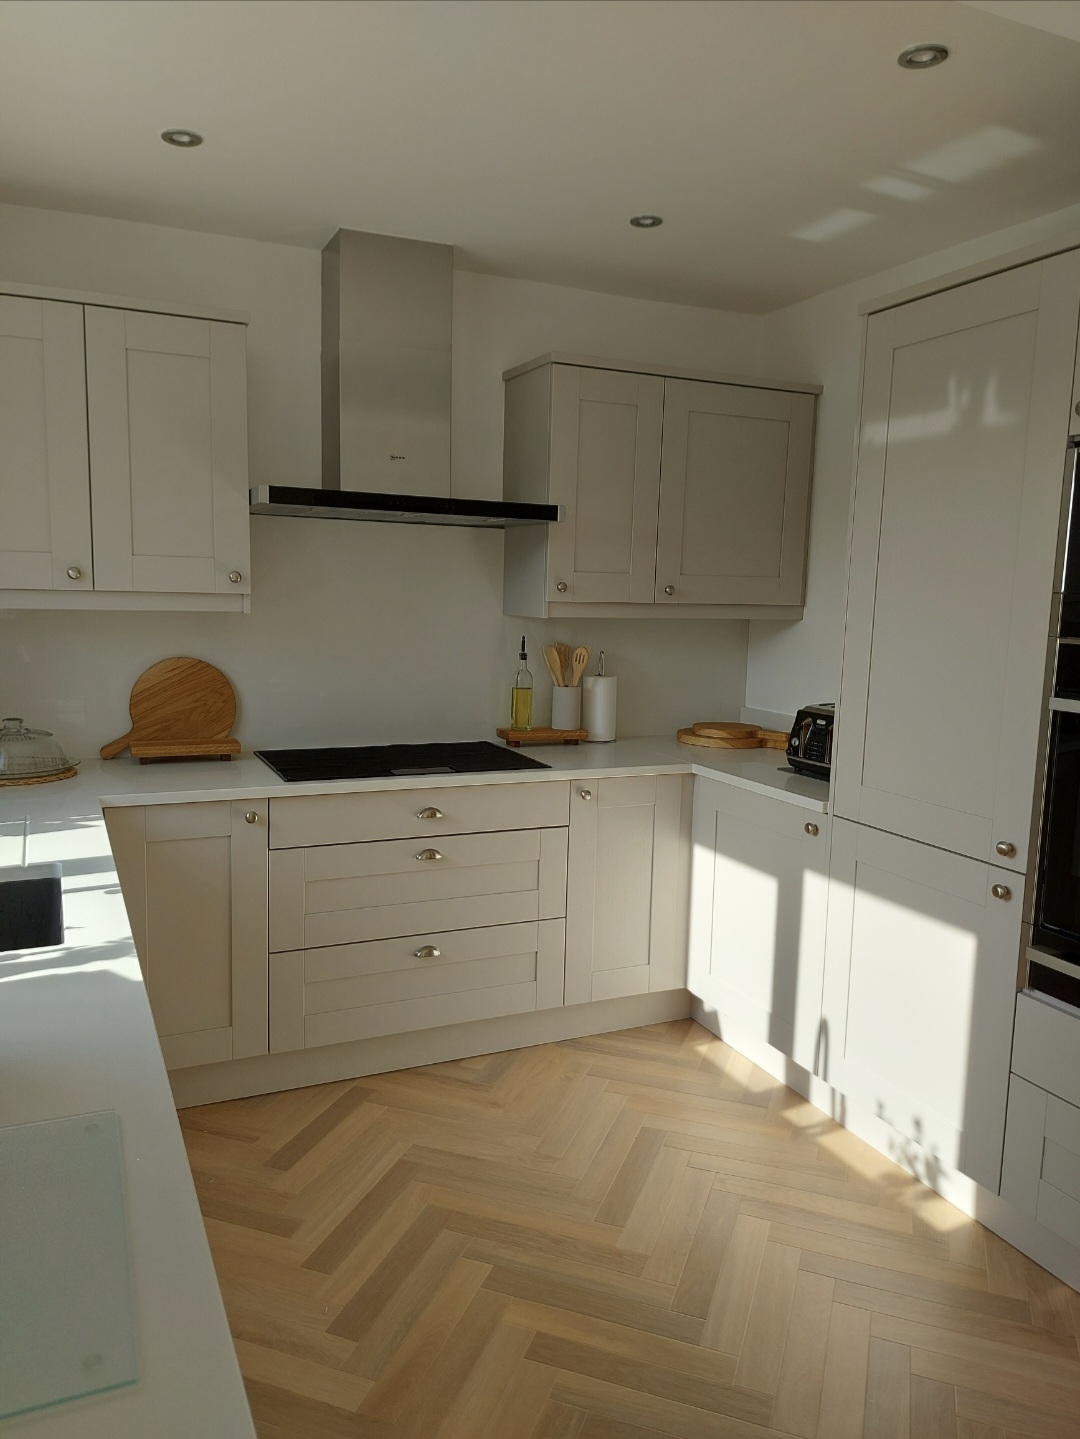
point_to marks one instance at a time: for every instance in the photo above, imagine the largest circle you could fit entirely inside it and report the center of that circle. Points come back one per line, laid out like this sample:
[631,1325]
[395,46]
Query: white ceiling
[784,147]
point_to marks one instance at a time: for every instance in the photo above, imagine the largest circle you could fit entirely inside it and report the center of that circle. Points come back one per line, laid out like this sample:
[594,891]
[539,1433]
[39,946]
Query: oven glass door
[1058,906]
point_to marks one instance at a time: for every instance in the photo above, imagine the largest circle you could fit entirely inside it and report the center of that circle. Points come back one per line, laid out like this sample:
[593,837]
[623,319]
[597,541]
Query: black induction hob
[387,761]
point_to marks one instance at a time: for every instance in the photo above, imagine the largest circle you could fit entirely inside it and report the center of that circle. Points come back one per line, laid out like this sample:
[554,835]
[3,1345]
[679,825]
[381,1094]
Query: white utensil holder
[566,707]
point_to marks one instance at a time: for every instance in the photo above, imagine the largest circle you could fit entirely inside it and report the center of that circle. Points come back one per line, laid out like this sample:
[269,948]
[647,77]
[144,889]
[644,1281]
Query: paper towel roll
[598,706]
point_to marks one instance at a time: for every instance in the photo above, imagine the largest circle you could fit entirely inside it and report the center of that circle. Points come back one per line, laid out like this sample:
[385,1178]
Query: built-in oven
[1054,951]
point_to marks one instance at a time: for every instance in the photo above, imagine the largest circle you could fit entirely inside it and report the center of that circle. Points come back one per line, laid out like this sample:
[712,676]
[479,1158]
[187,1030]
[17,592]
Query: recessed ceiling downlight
[184,139]
[646,222]
[922,57]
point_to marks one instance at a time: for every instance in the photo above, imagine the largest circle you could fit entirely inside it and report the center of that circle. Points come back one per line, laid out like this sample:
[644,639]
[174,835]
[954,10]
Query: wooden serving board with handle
[180,709]
[731,734]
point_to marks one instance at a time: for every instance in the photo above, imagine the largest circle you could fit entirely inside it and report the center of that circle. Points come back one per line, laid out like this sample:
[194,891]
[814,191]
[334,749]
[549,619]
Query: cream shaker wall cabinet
[683,494]
[194,878]
[123,455]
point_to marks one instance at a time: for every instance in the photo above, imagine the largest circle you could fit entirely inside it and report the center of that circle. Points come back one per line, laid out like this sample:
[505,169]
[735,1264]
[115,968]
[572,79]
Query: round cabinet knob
[427,951]
[429,854]
[669,589]
[811,828]
[1005,849]
[235,577]
[430,813]
[585,793]
[561,587]
[252,817]
[74,573]
[1001,891]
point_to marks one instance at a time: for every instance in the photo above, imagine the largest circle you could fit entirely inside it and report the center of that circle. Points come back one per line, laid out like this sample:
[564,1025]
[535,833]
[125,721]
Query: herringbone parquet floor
[626,1237]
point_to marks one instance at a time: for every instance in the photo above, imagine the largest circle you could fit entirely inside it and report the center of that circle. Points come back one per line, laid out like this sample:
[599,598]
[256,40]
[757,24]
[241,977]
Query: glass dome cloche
[27,755]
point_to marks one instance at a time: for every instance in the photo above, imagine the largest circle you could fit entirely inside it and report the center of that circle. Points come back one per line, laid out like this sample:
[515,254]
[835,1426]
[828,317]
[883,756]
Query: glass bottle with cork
[521,695]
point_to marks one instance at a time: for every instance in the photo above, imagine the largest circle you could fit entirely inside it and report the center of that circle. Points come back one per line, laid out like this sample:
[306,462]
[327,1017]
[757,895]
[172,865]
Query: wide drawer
[1046,1047]
[351,893]
[356,991]
[397,814]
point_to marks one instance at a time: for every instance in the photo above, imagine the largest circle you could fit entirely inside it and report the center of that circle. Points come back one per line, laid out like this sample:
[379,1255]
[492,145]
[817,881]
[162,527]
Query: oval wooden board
[720,729]
[182,700]
[735,741]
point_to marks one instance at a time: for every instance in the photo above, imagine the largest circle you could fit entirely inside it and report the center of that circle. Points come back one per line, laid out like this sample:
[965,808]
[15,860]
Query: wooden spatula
[551,659]
[179,707]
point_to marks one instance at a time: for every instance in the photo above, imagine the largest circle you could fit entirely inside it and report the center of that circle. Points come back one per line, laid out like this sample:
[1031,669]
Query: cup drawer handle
[430,854]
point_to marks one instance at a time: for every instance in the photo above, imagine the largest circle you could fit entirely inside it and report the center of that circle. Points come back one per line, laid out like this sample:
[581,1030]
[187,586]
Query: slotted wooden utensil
[579,660]
[180,708]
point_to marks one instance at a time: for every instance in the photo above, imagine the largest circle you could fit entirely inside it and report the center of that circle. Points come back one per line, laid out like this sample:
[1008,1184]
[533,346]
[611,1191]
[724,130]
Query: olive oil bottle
[521,695]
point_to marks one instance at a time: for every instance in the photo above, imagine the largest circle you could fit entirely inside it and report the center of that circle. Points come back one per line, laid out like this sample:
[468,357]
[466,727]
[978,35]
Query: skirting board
[265,1074]
[1053,1253]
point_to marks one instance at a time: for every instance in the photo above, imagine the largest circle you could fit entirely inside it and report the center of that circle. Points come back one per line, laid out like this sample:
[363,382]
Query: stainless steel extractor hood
[387,309]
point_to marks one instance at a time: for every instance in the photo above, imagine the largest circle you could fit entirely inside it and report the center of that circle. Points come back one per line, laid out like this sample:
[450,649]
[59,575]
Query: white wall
[359,632]
[790,664]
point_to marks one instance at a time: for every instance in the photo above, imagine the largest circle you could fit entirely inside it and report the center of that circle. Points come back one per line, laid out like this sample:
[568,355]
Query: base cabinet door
[920,981]
[758,910]
[194,878]
[627,886]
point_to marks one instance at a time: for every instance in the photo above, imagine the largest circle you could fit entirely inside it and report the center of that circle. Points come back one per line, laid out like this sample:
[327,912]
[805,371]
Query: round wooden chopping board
[721,729]
[179,701]
[731,741]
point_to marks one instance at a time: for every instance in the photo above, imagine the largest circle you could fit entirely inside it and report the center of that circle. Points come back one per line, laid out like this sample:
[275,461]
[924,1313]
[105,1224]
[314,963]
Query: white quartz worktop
[125,782]
[76,1035]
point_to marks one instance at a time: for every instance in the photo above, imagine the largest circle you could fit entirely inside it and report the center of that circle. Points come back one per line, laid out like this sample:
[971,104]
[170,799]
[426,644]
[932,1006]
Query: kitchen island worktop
[76,1034]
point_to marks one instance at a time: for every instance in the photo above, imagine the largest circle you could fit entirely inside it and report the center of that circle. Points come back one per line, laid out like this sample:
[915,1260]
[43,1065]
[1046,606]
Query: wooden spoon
[580,659]
[563,651]
[551,659]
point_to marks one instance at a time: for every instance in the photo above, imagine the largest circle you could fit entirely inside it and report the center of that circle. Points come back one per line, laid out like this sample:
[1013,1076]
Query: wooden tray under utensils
[180,709]
[515,738]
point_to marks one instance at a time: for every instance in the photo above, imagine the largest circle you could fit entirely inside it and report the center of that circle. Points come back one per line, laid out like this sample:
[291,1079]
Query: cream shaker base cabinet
[679,495]
[408,909]
[965,420]
[123,457]
[194,878]
[758,911]
[920,979]
[1041,1171]
[627,886]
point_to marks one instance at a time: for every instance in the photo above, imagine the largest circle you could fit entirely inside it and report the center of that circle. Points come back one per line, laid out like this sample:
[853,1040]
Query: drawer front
[1046,1047]
[1041,1172]
[351,893]
[357,991]
[396,814]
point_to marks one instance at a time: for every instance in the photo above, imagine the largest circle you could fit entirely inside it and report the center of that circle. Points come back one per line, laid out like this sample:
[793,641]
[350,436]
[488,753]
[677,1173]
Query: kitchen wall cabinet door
[758,910]
[44,472]
[627,886]
[168,452]
[734,495]
[605,471]
[920,982]
[683,484]
[194,878]
[964,424]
